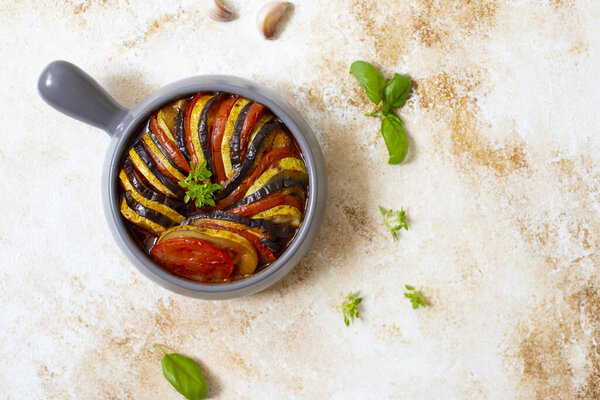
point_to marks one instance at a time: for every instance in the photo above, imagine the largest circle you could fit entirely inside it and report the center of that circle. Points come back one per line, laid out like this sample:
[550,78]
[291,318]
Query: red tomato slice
[254,113]
[268,202]
[266,162]
[169,145]
[193,259]
[265,253]
[216,137]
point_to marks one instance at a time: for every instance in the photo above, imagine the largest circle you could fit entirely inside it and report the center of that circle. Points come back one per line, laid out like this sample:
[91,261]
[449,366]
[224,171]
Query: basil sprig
[390,96]
[184,374]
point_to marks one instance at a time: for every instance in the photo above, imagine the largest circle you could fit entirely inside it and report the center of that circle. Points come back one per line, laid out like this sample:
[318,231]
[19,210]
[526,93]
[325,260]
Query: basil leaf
[395,139]
[184,374]
[396,92]
[370,78]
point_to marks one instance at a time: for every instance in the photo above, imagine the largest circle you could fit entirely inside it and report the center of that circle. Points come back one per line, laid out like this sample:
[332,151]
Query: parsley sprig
[350,308]
[415,296]
[394,220]
[387,97]
[198,186]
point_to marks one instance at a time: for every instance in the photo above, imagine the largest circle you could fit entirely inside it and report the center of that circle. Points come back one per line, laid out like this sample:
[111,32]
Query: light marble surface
[501,187]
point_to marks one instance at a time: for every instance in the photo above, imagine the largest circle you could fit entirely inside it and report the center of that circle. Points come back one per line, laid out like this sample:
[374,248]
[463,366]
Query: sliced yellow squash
[138,220]
[153,205]
[229,128]
[288,215]
[288,167]
[163,125]
[141,166]
[194,121]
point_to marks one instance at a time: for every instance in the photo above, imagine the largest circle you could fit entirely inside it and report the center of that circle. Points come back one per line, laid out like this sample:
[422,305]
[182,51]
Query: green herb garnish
[415,297]
[184,374]
[390,97]
[198,186]
[394,220]
[350,308]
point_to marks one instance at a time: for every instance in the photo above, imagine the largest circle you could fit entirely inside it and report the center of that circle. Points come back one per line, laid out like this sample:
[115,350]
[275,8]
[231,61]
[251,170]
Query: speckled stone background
[501,187]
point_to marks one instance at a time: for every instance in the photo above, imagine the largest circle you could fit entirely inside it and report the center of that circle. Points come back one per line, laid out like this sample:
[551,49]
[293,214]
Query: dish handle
[73,92]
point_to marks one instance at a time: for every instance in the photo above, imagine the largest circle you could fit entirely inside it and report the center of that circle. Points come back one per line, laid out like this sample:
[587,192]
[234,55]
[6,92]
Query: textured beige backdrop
[501,186]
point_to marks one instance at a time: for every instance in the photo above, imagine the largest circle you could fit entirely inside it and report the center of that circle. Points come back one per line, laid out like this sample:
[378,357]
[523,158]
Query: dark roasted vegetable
[264,131]
[161,221]
[145,165]
[292,187]
[216,137]
[180,133]
[176,205]
[285,168]
[146,202]
[199,121]
[173,168]
[225,145]
[168,145]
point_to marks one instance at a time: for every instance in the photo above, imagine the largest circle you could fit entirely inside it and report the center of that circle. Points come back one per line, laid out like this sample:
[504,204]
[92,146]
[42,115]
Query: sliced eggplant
[146,202]
[287,215]
[161,155]
[255,236]
[275,231]
[199,119]
[236,137]
[134,179]
[143,163]
[286,168]
[180,133]
[292,187]
[146,215]
[232,122]
[167,145]
[244,255]
[141,222]
[264,131]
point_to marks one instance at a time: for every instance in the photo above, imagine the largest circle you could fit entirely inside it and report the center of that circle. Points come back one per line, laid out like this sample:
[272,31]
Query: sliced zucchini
[143,163]
[148,203]
[199,123]
[244,255]
[144,217]
[236,137]
[292,187]
[287,168]
[161,155]
[135,179]
[232,122]
[287,215]
[264,131]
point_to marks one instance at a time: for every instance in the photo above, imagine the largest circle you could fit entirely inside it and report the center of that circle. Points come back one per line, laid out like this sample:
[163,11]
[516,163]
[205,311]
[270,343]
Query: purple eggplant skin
[262,134]
[172,186]
[165,152]
[268,190]
[204,133]
[145,212]
[180,133]
[150,194]
[234,145]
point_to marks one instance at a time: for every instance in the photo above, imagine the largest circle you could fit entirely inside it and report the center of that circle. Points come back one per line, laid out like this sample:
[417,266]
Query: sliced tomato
[254,113]
[268,202]
[193,259]
[266,162]
[169,145]
[216,137]
[265,253]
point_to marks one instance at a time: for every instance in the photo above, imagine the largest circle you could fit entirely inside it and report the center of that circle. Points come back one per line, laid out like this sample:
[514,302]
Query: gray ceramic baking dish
[73,92]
